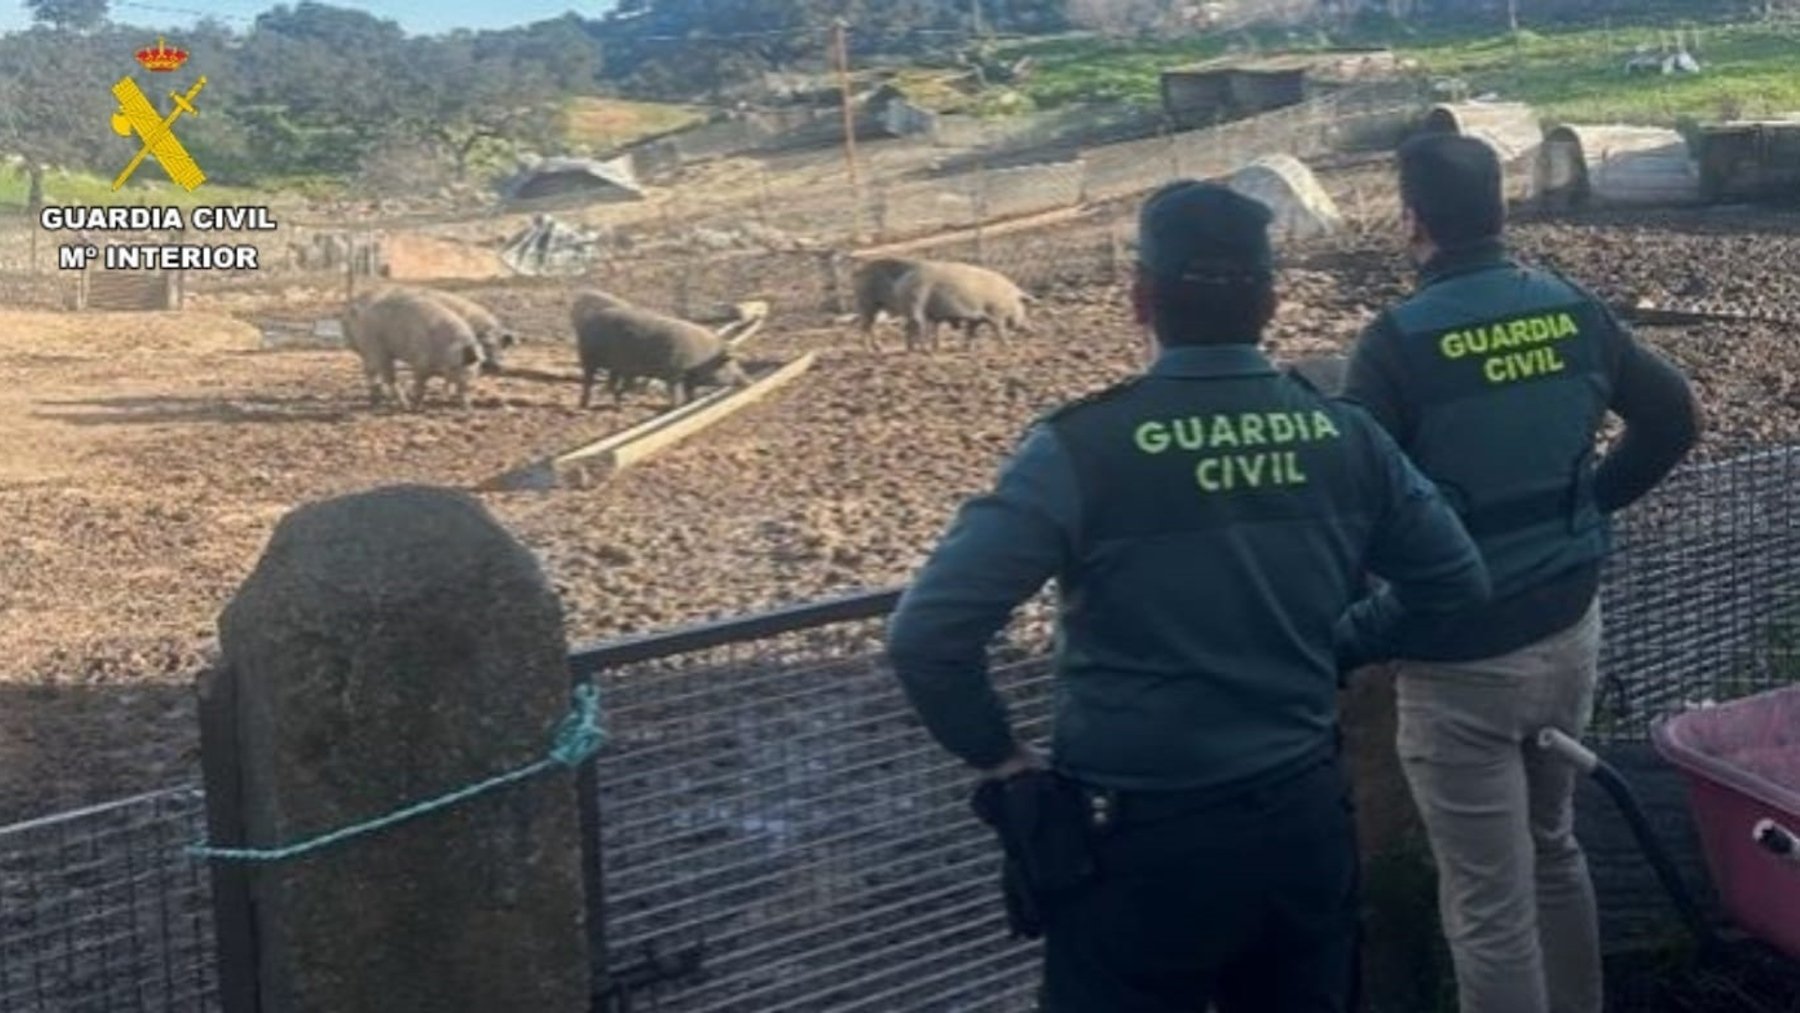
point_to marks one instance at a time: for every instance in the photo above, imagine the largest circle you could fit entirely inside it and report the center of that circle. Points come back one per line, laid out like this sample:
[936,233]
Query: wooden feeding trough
[593,462]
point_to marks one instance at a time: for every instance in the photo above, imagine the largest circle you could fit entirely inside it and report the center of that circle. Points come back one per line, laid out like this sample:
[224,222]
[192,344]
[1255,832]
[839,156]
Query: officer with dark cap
[1206,523]
[1495,378]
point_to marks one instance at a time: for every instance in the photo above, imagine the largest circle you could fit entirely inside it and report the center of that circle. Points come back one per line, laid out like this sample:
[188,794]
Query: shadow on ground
[251,408]
[66,745]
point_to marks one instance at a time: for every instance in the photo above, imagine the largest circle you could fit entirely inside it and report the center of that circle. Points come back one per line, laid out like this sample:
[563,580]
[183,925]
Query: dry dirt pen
[151,454]
[164,447]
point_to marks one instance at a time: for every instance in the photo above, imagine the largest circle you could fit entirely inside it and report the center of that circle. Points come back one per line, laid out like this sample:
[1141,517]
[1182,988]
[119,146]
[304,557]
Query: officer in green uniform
[1495,378]
[1207,525]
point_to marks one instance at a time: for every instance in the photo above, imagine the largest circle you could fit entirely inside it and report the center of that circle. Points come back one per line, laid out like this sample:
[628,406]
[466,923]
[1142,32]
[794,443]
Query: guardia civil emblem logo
[138,116]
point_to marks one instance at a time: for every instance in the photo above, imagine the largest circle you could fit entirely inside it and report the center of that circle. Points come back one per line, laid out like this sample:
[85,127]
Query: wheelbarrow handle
[1565,746]
[1777,840]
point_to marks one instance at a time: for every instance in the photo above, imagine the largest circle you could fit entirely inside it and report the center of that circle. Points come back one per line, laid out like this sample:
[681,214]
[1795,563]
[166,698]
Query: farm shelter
[563,177]
[897,116]
[1750,161]
[1615,166]
[777,833]
[1208,93]
[1510,128]
[1283,183]
[134,291]
[1228,88]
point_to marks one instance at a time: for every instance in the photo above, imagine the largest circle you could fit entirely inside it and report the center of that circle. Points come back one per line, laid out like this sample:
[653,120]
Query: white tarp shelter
[1616,166]
[550,247]
[1283,183]
[1510,128]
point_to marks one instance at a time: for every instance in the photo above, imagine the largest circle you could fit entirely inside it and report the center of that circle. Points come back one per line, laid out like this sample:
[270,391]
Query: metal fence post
[234,921]
[980,203]
[593,873]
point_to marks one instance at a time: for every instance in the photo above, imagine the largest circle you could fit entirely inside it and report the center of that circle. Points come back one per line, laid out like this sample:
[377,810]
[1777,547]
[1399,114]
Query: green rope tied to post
[578,737]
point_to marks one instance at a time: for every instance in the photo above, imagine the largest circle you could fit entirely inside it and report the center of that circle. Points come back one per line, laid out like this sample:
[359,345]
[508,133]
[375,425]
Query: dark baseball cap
[1192,230]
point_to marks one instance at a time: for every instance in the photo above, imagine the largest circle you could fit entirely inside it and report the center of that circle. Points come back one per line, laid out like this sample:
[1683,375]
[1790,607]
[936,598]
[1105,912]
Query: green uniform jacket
[1208,526]
[1495,378]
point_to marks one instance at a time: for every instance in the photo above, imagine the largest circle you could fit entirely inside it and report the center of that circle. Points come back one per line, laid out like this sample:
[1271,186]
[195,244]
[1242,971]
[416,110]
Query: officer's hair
[1206,309]
[1452,184]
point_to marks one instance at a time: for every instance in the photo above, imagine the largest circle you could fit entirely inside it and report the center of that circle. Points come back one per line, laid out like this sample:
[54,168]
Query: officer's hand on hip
[1023,760]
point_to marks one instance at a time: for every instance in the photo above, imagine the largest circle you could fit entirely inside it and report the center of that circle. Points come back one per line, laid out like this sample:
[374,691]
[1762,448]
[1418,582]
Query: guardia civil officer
[1206,524]
[1495,377]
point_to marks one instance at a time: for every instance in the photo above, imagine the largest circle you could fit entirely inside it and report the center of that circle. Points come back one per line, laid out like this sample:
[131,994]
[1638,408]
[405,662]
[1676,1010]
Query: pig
[947,292]
[874,286]
[630,342]
[406,326]
[493,335]
[590,301]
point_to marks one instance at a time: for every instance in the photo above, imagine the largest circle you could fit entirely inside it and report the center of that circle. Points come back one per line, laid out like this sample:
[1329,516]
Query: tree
[56,100]
[464,94]
[69,15]
[326,83]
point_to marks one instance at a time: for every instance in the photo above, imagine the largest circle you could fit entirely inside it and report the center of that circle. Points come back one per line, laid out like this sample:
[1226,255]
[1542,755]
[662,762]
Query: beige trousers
[1513,887]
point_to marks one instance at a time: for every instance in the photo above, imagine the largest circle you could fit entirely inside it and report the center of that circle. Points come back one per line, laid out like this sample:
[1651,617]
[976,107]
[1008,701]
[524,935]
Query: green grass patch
[1579,76]
[87,188]
[1574,75]
[1075,70]
[934,89]
[604,123]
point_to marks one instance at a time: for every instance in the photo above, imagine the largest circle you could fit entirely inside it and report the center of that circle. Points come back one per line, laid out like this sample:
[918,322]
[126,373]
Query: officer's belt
[1150,806]
[1516,513]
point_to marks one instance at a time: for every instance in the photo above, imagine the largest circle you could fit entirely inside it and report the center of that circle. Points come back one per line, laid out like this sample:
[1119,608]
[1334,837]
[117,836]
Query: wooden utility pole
[841,49]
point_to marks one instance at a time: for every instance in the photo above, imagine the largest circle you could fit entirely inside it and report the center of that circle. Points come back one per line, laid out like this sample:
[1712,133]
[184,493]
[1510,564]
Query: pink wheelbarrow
[1741,762]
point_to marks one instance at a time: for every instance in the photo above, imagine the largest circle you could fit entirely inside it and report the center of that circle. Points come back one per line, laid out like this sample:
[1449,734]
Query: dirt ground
[147,458]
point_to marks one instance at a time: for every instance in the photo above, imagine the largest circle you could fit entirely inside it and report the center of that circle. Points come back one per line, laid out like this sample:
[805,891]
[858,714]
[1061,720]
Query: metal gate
[777,832]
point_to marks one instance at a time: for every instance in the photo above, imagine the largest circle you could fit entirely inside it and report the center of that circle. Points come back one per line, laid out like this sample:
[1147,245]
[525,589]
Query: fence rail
[776,831]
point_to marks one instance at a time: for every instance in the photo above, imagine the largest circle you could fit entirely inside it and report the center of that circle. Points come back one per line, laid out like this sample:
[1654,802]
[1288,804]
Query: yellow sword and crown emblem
[137,116]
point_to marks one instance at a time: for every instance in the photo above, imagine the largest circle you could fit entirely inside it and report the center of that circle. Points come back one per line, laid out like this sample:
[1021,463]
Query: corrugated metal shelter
[1510,128]
[1207,93]
[1751,160]
[1616,166]
[558,177]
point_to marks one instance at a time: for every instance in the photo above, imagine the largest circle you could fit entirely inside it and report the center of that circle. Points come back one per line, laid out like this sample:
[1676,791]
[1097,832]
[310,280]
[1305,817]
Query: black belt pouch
[1042,821]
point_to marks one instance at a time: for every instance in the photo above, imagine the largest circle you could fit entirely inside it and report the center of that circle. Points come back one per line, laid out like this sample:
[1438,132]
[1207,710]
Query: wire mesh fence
[102,912]
[773,809]
[1702,595]
[778,833]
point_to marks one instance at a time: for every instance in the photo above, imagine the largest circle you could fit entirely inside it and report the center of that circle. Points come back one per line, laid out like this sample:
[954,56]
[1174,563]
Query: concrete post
[390,647]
